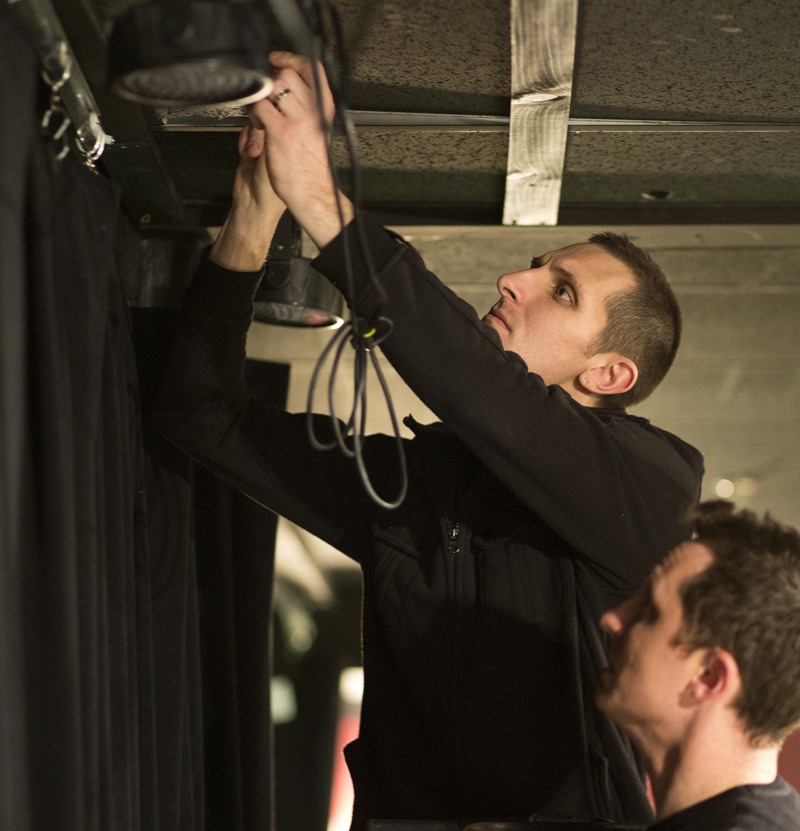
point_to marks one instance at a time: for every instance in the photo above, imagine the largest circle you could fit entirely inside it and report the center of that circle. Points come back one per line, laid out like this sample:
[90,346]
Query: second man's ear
[609,374]
[719,677]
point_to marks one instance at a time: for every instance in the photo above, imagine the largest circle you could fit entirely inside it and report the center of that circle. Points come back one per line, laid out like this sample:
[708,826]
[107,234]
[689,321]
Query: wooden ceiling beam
[542,56]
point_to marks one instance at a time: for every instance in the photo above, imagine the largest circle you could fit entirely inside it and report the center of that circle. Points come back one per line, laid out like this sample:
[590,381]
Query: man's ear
[609,374]
[718,677]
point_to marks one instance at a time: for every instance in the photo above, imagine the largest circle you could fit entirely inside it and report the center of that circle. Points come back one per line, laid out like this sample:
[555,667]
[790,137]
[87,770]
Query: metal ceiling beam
[651,238]
[543,36]
[134,161]
[212,212]
[680,213]
[600,125]
[454,122]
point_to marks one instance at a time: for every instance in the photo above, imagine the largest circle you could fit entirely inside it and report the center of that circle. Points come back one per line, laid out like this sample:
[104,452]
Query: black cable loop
[360,333]
[351,421]
[358,437]
[364,346]
[360,397]
[315,442]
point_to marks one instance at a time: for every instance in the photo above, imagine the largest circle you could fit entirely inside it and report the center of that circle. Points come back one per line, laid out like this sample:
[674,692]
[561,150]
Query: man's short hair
[748,603]
[644,323]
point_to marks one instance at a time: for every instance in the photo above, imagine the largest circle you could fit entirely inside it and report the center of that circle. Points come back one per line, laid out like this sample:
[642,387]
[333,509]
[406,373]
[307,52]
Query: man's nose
[619,619]
[612,622]
[513,285]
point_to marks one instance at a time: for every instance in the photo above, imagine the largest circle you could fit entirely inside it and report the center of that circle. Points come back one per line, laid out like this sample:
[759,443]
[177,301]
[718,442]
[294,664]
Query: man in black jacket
[536,504]
[704,673]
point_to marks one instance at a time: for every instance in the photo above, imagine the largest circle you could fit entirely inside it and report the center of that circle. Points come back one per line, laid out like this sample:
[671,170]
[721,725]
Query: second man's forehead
[667,564]
[691,557]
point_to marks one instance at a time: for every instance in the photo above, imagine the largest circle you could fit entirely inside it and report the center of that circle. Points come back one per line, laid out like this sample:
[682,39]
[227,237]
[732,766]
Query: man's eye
[563,293]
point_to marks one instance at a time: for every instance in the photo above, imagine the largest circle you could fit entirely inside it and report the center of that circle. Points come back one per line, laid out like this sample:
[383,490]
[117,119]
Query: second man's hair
[748,603]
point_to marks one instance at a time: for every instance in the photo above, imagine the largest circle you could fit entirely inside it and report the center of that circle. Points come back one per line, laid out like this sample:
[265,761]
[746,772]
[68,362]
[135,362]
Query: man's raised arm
[244,239]
[297,147]
[613,488]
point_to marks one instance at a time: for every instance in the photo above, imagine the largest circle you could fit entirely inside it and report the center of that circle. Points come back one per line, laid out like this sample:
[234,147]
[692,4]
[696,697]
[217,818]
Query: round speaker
[181,53]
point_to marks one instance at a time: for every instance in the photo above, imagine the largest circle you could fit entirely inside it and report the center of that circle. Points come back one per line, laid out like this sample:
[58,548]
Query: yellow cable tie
[370,333]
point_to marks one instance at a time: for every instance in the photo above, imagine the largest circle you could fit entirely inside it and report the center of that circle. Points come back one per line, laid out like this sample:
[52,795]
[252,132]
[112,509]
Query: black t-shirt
[773,807]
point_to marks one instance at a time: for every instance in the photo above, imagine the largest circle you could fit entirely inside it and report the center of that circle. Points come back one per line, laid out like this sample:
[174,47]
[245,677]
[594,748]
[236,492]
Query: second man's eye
[649,613]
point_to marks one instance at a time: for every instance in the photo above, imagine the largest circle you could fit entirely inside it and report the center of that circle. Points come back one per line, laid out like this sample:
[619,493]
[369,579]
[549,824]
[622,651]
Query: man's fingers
[251,142]
[289,97]
[255,112]
[244,138]
[299,63]
[304,69]
[255,146]
[261,113]
[290,90]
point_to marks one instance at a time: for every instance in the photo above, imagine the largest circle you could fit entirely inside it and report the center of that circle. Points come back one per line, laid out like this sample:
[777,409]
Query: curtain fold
[17,83]
[105,703]
[87,671]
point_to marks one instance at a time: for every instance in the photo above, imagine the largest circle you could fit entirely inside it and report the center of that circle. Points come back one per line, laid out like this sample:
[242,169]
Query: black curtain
[133,629]
[17,80]
[225,547]
[77,651]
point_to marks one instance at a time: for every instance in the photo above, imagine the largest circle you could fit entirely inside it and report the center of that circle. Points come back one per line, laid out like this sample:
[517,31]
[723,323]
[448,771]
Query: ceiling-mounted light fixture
[291,292]
[190,53]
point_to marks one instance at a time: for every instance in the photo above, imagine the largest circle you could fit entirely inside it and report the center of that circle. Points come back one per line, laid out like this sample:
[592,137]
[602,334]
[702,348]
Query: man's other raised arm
[297,147]
[244,239]
[203,406]
[615,489]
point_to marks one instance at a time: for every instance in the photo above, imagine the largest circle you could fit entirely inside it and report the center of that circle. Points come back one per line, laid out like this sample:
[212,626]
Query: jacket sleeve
[202,406]
[614,488]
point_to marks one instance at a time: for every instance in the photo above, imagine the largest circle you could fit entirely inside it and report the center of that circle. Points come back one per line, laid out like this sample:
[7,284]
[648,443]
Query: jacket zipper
[453,542]
[452,537]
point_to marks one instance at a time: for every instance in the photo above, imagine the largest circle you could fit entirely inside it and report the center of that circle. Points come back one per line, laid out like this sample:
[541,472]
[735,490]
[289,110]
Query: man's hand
[244,240]
[297,146]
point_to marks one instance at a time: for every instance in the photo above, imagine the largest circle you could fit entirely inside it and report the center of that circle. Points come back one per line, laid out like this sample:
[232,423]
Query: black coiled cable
[362,335]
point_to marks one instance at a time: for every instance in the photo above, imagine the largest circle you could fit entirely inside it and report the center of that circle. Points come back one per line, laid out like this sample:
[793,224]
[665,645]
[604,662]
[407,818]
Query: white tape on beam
[542,57]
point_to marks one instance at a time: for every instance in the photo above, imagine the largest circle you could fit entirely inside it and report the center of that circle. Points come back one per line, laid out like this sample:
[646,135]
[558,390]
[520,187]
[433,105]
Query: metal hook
[64,59]
[60,133]
[62,154]
[62,128]
[55,108]
[101,140]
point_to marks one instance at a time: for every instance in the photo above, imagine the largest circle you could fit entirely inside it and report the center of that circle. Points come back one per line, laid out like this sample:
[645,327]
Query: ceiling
[730,61]
[719,207]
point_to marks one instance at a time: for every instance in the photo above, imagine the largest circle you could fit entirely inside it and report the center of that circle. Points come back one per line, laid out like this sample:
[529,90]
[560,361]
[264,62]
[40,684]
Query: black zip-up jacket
[527,516]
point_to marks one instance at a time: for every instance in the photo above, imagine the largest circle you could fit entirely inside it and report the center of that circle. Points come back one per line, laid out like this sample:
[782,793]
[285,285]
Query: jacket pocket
[404,574]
